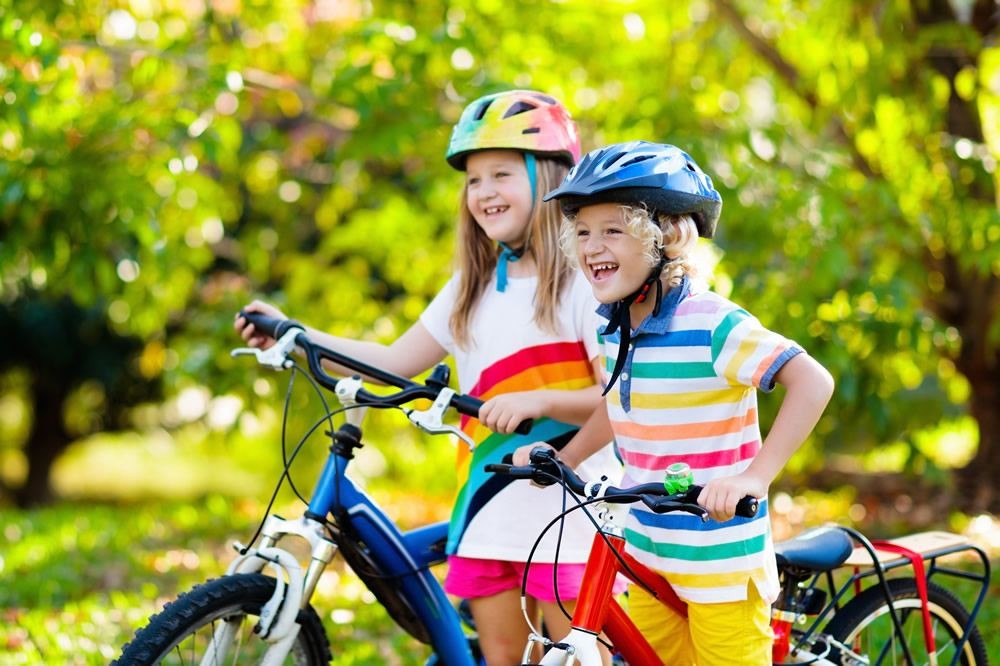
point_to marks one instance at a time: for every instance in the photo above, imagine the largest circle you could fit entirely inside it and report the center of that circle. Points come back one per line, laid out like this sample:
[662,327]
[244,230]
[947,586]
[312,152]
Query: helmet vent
[482,110]
[640,158]
[531,130]
[545,98]
[612,159]
[519,107]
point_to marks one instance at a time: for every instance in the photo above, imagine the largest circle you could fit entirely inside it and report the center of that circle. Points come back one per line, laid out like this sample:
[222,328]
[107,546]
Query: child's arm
[594,434]
[809,387]
[504,412]
[413,352]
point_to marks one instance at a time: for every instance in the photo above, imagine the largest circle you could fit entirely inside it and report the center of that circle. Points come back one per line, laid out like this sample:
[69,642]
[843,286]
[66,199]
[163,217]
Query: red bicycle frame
[597,610]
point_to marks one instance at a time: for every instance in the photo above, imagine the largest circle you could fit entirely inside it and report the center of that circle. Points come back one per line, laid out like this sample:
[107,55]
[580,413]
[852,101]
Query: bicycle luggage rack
[877,558]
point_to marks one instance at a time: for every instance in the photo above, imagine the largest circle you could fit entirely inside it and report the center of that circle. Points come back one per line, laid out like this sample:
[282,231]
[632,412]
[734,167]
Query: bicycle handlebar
[409,390]
[544,465]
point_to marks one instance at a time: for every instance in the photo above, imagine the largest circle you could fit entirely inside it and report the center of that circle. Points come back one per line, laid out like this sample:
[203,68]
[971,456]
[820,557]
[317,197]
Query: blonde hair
[476,255]
[668,235]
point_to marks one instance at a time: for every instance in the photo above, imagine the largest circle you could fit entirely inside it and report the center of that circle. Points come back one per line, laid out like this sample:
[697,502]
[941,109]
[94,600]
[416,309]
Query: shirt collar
[661,322]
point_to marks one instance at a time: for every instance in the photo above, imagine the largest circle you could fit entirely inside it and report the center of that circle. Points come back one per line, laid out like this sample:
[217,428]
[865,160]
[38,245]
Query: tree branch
[790,75]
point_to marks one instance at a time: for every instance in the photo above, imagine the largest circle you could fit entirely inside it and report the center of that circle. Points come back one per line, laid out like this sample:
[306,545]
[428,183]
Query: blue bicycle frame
[403,558]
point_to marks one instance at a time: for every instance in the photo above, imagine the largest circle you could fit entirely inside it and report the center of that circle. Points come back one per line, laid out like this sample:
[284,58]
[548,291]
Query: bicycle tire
[865,626]
[174,634]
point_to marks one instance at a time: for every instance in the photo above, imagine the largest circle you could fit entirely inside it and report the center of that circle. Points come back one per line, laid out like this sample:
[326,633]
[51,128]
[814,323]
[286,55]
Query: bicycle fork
[277,623]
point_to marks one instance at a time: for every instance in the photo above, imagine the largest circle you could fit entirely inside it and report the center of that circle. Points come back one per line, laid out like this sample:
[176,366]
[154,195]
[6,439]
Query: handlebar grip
[498,468]
[270,326]
[525,426]
[466,404]
[747,507]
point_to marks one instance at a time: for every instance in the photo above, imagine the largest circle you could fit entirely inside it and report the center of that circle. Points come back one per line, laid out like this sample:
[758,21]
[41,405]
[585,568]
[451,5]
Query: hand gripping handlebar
[545,465]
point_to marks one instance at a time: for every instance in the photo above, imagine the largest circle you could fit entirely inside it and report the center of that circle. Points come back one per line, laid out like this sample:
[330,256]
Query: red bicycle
[896,620]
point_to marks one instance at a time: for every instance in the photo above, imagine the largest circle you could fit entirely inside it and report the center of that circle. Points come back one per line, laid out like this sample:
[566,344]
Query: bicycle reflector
[678,478]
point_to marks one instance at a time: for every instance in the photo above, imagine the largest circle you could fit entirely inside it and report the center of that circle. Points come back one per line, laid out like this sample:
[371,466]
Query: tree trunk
[48,438]
[976,490]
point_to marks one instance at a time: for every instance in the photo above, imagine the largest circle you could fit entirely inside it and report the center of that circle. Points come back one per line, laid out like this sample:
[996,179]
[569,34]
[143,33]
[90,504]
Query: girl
[684,367]
[520,323]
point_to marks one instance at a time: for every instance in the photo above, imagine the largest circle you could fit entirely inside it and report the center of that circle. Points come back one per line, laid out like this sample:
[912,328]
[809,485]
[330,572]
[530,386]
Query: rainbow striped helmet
[516,120]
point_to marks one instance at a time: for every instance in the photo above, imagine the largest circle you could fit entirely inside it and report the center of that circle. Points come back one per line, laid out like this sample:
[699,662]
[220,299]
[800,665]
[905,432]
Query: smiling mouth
[495,210]
[601,272]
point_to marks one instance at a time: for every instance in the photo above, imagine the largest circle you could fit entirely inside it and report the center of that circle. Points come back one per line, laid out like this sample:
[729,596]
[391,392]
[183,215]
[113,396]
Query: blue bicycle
[248,617]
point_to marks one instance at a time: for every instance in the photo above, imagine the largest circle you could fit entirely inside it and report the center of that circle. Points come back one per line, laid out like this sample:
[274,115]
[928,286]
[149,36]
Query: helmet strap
[621,318]
[531,166]
[507,254]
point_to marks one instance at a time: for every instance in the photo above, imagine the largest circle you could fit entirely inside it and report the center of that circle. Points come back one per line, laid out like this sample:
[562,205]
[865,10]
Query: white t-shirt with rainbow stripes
[688,393]
[496,517]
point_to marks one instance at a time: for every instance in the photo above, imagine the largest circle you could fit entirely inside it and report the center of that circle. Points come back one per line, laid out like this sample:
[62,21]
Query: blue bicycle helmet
[662,177]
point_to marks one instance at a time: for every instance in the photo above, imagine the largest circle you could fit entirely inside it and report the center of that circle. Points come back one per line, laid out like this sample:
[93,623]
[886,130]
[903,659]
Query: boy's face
[498,193]
[613,260]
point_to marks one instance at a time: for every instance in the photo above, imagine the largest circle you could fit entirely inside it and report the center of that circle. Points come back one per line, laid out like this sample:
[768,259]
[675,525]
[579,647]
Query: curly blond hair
[672,235]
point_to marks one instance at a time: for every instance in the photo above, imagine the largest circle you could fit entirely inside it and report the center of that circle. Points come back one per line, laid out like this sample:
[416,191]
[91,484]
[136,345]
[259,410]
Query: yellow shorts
[736,633]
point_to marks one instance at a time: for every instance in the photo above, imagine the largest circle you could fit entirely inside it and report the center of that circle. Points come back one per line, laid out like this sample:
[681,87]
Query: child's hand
[720,496]
[247,331]
[504,412]
[522,456]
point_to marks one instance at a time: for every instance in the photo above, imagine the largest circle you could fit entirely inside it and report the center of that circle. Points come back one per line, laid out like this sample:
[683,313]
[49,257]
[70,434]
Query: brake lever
[663,505]
[276,356]
[430,420]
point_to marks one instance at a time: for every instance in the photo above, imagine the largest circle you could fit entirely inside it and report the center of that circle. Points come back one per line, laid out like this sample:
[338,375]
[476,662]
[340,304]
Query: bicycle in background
[899,620]
[248,617]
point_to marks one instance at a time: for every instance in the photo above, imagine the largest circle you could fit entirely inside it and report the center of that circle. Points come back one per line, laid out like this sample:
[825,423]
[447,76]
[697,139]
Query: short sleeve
[745,353]
[435,318]
[585,317]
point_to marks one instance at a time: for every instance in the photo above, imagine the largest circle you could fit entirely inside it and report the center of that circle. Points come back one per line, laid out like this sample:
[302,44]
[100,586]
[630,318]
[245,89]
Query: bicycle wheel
[865,627]
[183,630]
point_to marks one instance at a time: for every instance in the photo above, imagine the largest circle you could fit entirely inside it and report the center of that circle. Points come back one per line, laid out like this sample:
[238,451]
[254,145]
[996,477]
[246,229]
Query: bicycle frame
[597,610]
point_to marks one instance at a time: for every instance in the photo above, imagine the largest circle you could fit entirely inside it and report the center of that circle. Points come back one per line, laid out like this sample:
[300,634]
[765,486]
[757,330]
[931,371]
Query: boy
[686,366]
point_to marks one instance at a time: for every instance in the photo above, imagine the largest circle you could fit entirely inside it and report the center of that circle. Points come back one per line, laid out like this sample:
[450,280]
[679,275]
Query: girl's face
[613,260]
[498,194]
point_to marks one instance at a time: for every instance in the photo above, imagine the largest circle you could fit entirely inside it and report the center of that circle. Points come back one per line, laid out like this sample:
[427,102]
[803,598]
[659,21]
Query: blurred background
[164,161]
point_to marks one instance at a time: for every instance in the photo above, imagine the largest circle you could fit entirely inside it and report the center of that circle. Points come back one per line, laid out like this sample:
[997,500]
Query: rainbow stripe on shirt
[554,366]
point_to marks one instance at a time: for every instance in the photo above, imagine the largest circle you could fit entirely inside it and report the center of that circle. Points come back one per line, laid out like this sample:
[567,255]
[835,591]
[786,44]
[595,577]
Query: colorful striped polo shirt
[494,516]
[689,394]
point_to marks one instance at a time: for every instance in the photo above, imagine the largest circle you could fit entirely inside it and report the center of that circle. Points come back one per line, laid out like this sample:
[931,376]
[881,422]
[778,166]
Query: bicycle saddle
[818,549]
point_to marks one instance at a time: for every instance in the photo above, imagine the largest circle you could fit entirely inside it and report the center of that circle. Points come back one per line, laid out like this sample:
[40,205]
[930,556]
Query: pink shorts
[471,578]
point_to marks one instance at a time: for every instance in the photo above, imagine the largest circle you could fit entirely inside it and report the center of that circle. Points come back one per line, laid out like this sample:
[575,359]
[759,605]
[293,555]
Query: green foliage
[171,161]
